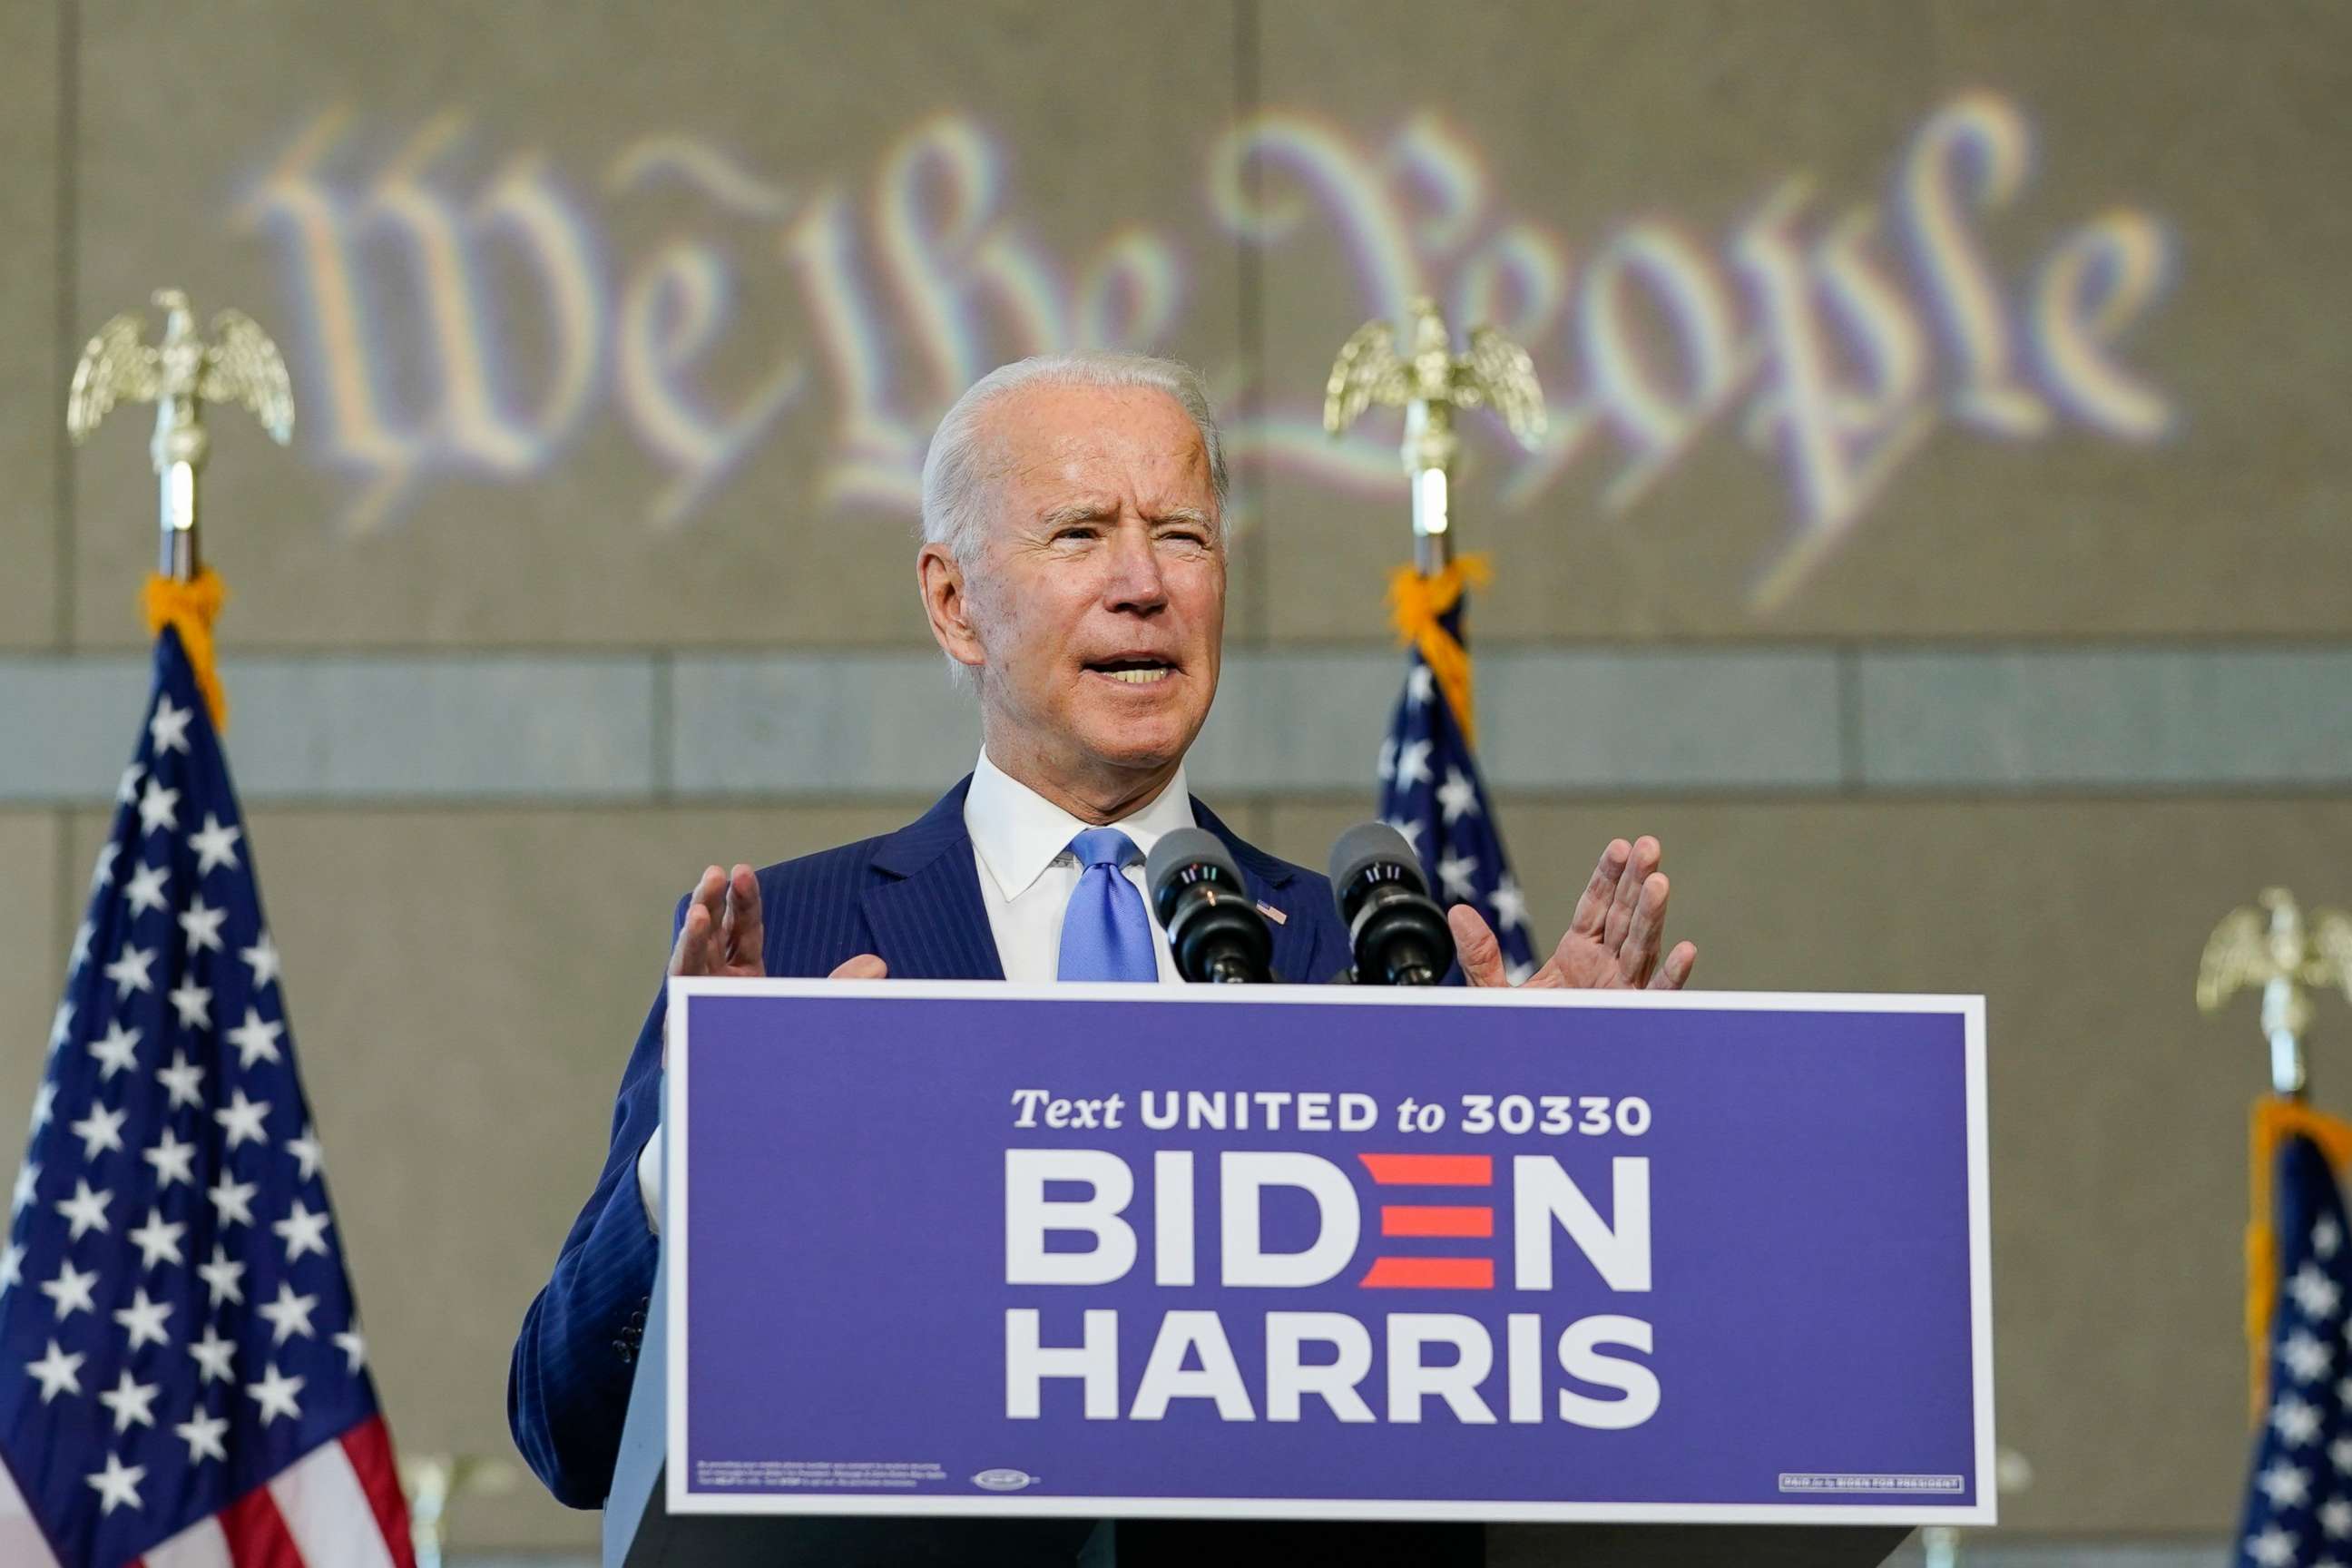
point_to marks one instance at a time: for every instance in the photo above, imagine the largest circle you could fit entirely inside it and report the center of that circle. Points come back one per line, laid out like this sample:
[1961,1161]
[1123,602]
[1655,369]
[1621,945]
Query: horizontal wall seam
[1569,721]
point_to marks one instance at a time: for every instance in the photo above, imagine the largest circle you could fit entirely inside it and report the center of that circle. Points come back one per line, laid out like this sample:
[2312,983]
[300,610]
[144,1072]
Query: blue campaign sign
[1326,1253]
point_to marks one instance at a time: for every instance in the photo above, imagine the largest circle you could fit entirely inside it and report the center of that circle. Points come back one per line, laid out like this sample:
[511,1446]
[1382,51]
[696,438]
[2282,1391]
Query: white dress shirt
[1021,841]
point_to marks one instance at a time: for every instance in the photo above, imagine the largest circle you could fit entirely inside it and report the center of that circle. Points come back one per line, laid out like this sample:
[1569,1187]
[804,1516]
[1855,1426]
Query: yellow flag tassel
[1416,604]
[2277,1119]
[189,608]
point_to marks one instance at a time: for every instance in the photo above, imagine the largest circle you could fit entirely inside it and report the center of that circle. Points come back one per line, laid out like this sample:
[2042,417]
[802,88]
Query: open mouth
[1133,671]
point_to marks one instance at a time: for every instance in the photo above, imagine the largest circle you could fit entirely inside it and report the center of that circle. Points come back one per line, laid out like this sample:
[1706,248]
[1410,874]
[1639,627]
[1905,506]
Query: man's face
[1096,596]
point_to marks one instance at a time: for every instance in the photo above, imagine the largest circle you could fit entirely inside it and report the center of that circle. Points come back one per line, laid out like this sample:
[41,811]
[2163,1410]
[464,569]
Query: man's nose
[1135,582]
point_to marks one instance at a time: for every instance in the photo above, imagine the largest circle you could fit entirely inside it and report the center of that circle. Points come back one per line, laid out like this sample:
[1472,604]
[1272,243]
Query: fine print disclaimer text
[823,1475]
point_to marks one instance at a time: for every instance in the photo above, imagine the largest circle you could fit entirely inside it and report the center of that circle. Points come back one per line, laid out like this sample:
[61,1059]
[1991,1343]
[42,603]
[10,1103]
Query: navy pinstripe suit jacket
[912,897]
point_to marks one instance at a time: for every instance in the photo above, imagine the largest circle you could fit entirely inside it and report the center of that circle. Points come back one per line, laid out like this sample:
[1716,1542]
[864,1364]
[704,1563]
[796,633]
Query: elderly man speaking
[1072,567]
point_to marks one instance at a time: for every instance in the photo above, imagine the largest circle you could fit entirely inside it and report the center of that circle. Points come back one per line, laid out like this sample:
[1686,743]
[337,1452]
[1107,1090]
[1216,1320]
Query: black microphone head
[1214,930]
[1395,929]
[1193,850]
[1370,844]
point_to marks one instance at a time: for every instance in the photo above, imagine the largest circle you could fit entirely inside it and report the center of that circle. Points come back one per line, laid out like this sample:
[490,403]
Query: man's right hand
[724,935]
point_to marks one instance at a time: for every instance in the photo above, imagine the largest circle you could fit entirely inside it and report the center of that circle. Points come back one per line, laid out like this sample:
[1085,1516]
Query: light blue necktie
[1106,934]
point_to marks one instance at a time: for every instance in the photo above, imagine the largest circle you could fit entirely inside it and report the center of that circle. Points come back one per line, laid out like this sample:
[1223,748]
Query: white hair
[957,471]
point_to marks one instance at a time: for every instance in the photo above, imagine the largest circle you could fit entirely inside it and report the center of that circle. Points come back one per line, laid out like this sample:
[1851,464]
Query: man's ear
[948,605]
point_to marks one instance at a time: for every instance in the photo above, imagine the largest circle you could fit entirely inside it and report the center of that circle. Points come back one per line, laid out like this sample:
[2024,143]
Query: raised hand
[1611,943]
[723,933]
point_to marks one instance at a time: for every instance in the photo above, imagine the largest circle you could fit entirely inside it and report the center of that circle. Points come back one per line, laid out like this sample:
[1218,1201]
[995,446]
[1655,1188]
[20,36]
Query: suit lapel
[929,923]
[926,912]
[1275,885]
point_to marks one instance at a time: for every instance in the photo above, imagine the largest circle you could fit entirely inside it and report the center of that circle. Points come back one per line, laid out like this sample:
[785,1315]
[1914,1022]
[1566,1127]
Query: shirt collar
[1017,832]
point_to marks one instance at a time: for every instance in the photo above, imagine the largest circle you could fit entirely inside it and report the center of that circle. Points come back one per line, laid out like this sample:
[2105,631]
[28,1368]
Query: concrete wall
[1941,543]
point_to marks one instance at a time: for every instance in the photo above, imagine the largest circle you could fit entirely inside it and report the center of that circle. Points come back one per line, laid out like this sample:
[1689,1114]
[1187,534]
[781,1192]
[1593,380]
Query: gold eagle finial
[239,366]
[1428,381]
[2276,951]
[181,376]
[1494,372]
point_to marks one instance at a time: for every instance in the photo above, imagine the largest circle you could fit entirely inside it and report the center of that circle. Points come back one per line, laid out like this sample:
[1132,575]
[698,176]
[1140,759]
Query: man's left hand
[1612,944]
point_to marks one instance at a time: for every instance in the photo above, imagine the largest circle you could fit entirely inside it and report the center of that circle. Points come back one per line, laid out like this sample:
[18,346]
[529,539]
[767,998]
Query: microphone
[1213,926]
[1396,929]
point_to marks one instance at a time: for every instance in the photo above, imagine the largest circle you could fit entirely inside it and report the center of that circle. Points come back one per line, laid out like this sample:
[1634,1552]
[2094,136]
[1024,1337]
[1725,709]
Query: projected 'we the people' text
[1832,337]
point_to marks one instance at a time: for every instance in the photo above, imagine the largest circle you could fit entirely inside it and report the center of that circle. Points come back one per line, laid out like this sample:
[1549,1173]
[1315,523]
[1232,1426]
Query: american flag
[1431,793]
[2298,1510]
[182,1376]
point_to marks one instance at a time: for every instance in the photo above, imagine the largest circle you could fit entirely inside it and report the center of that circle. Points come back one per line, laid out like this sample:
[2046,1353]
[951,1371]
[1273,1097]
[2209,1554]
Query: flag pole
[173,948]
[2273,949]
[1430,445]
[2276,951]
[1431,789]
[1419,371]
[179,376]
[1428,381]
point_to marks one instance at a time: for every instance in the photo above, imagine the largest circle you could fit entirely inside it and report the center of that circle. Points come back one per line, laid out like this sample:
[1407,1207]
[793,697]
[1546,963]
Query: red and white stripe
[339,1506]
